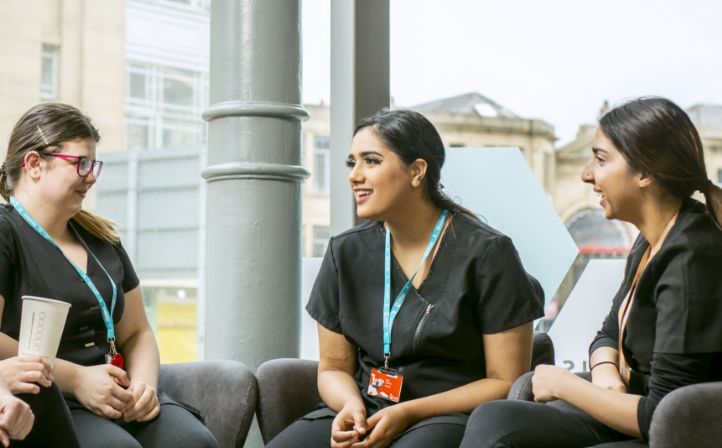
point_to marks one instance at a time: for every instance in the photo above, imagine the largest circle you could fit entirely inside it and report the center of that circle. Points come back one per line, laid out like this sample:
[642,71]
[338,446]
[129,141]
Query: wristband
[604,362]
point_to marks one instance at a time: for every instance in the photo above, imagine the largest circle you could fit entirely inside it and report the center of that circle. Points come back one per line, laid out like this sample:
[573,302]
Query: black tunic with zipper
[476,285]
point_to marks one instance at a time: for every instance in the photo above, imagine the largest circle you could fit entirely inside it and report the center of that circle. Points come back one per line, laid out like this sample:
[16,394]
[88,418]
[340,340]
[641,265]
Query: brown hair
[42,129]
[657,138]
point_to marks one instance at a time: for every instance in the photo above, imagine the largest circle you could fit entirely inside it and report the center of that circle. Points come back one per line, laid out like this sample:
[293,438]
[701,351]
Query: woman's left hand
[547,380]
[385,425]
[145,405]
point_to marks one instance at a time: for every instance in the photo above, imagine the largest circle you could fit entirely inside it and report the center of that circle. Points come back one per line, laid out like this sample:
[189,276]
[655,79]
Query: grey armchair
[688,416]
[287,388]
[225,393]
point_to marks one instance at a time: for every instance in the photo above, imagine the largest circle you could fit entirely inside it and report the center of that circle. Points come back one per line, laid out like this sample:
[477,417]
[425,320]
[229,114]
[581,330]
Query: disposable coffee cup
[41,326]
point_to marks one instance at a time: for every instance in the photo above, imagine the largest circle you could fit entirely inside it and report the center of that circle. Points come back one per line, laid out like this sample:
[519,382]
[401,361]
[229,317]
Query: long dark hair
[42,129]
[412,136]
[657,138]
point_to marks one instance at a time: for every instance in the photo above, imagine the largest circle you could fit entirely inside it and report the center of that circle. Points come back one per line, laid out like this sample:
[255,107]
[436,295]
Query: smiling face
[380,181]
[60,181]
[614,179]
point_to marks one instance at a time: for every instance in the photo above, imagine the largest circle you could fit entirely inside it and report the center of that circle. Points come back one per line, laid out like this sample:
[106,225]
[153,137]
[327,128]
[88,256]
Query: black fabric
[53,425]
[435,432]
[676,314]
[30,265]
[476,285]
[524,424]
[175,427]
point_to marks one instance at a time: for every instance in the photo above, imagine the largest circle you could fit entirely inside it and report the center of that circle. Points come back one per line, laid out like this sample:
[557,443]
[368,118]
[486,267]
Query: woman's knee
[490,424]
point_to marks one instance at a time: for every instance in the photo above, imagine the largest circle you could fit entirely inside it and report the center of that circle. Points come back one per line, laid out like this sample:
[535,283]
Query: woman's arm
[336,368]
[136,342]
[507,355]
[614,409]
[604,366]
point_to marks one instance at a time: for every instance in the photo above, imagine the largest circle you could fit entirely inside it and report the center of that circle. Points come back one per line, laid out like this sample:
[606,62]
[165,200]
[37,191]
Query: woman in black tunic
[463,332]
[108,361]
[665,327]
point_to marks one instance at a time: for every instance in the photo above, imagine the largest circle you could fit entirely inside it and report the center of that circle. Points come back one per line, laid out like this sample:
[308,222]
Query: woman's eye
[350,163]
[372,160]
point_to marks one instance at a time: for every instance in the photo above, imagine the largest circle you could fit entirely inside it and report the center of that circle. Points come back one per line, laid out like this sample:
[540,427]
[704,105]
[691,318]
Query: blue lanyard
[390,313]
[107,319]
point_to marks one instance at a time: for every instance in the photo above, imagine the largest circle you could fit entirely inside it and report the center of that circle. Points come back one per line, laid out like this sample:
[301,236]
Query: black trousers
[316,433]
[523,424]
[175,427]
[53,425]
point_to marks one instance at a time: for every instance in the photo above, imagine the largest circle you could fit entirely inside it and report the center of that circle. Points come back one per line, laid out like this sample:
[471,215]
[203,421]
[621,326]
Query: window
[321,235]
[164,106]
[322,165]
[49,73]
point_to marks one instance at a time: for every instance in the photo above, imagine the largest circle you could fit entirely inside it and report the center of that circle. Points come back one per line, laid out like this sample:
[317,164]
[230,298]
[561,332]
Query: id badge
[117,360]
[385,383]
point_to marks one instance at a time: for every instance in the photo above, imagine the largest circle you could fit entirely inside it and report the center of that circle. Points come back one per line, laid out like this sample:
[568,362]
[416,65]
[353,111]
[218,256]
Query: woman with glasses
[107,364]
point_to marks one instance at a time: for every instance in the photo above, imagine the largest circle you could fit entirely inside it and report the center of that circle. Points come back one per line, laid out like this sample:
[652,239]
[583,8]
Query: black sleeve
[130,278]
[7,258]
[508,296]
[670,372]
[323,304]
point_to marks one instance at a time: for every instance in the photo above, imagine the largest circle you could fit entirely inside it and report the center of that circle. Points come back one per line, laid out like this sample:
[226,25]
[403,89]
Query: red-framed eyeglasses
[83,165]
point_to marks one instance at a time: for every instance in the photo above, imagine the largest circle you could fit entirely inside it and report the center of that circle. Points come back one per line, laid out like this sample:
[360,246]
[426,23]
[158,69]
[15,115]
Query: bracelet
[603,362]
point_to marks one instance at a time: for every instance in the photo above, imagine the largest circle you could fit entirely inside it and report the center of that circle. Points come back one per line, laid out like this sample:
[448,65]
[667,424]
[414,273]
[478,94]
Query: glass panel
[322,165]
[321,234]
[49,73]
[138,135]
[138,86]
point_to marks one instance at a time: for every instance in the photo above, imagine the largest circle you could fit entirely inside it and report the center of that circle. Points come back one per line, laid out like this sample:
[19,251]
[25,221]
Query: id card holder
[385,383]
[117,360]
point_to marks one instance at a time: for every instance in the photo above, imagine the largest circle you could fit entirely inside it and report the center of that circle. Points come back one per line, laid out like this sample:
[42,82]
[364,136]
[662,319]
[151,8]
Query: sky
[555,60]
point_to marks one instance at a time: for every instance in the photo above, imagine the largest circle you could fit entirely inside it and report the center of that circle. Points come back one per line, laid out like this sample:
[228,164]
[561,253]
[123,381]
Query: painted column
[359,87]
[253,177]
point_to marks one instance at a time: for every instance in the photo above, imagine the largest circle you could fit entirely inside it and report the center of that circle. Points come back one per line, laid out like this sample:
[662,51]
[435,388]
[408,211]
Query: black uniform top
[673,335]
[30,265]
[476,285]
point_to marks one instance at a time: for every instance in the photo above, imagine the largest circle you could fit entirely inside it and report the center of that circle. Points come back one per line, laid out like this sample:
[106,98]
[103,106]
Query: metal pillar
[254,181]
[359,87]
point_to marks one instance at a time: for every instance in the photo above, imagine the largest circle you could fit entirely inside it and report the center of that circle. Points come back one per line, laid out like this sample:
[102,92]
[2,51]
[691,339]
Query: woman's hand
[144,406]
[101,390]
[25,374]
[16,418]
[349,426]
[607,376]
[547,380]
[385,425]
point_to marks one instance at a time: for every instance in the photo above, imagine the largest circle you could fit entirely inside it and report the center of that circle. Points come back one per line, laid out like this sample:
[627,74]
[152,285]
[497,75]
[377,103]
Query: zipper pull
[428,308]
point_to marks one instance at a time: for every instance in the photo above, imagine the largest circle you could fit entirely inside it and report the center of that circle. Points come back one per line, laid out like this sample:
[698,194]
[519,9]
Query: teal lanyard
[107,319]
[390,313]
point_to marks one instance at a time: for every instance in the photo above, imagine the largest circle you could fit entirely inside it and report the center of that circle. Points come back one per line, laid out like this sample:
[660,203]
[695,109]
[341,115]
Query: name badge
[385,383]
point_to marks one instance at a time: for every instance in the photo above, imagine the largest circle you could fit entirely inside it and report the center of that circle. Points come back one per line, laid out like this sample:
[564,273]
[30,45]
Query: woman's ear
[644,180]
[418,172]
[31,163]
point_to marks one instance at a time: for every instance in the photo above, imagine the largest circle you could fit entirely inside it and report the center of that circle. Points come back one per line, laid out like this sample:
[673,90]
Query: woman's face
[60,182]
[612,177]
[379,179]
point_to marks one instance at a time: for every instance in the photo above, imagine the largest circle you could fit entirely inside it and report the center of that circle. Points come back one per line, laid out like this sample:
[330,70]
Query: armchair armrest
[688,416]
[287,391]
[225,392]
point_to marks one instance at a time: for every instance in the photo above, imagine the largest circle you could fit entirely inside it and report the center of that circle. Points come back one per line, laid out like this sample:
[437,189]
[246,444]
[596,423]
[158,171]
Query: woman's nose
[588,172]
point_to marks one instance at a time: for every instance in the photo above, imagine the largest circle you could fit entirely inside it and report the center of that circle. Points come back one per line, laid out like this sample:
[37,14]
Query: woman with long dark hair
[423,312]
[664,330]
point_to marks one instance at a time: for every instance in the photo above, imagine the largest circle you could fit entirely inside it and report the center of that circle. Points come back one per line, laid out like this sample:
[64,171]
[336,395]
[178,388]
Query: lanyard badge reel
[113,357]
[386,382]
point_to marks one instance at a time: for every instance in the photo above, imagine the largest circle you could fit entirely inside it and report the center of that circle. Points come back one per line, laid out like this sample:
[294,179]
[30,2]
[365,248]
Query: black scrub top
[30,265]
[476,285]
[673,335]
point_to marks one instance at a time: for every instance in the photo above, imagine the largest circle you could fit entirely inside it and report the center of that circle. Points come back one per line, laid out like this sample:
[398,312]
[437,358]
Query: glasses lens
[84,166]
[97,167]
